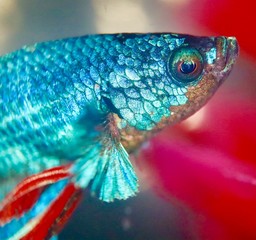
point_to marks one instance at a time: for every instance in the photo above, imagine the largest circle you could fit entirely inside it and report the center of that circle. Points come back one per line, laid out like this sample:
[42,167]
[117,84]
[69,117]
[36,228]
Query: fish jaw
[215,73]
[227,53]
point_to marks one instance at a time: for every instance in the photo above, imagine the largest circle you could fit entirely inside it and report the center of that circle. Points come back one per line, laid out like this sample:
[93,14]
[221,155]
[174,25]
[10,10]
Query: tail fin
[39,206]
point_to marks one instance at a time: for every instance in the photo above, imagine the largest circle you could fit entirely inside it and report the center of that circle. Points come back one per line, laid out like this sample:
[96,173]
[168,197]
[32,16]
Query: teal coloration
[211,55]
[112,173]
[57,98]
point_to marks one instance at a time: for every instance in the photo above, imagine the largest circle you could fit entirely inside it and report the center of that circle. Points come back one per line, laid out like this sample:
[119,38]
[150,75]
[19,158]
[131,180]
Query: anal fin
[39,206]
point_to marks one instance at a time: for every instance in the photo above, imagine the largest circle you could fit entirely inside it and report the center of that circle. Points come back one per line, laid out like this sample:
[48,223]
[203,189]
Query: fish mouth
[227,52]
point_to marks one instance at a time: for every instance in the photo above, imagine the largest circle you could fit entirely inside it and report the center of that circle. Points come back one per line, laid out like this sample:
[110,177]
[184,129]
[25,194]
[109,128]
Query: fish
[72,110]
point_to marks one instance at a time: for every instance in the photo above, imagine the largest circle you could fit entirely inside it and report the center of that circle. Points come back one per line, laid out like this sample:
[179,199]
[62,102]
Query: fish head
[164,78]
[200,65]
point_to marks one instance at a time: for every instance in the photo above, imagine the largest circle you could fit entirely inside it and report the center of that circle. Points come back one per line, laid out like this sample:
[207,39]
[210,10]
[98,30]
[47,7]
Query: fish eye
[185,64]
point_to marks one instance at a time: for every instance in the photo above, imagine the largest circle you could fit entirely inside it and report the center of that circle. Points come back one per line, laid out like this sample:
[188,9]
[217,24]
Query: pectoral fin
[110,170]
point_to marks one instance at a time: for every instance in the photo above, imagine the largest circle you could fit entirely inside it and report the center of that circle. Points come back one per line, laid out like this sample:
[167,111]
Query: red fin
[57,214]
[53,217]
[27,192]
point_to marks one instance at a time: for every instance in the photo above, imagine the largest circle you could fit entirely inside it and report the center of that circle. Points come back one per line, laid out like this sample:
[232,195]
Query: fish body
[89,101]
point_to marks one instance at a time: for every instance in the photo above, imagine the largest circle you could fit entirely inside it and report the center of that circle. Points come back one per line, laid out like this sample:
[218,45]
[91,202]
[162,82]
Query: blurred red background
[205,164]
[208,163]
[228,17]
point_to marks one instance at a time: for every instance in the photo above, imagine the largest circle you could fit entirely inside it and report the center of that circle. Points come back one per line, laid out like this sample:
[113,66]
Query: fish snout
[227,53]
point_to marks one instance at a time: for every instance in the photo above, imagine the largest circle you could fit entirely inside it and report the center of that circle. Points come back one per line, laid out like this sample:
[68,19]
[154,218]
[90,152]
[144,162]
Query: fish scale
[52,111]
[71,110]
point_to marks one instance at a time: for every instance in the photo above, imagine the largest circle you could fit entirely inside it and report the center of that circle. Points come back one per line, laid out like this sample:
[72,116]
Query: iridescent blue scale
[49,87]
[86,102]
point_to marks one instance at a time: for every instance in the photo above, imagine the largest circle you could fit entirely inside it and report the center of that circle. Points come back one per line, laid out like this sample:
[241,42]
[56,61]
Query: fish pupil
[187,67]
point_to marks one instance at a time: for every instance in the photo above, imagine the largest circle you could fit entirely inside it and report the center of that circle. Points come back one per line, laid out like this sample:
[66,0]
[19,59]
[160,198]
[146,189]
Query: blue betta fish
[71,110]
